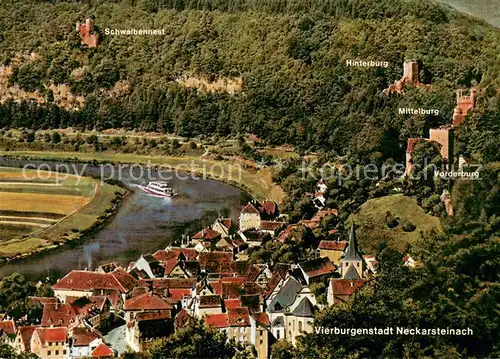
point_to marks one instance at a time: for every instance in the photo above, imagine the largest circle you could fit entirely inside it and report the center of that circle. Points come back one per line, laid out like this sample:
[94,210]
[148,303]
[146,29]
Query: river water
[142,224]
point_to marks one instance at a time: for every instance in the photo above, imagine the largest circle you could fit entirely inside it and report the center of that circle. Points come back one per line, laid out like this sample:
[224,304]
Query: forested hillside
[286,59]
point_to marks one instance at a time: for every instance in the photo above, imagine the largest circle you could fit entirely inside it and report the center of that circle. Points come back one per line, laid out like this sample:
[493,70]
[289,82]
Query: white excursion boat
[158,188]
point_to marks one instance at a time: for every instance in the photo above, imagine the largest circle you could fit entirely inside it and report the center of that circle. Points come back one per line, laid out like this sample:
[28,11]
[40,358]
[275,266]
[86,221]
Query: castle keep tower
[85,31]
[464,105]
[444,136]
[410,76]
[410,72]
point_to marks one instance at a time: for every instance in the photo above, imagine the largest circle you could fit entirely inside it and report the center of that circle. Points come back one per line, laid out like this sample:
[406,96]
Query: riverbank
[72,228]
[259,184]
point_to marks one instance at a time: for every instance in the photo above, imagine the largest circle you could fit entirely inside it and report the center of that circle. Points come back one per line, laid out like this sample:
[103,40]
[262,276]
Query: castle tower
[410,76]
[352,263]
[464,105]
[445,137]
[85,31]
[88,25]
[410,71]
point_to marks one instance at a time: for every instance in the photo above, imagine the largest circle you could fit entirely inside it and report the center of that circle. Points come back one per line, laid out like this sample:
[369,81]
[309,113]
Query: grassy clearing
[279,153]
[18,246]
[372,227]
[257,184]
[9,231]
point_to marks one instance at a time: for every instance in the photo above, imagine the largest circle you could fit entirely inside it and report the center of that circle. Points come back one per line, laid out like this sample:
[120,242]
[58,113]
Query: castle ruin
[444,135]
[464,105]
[410,77]
[85,31]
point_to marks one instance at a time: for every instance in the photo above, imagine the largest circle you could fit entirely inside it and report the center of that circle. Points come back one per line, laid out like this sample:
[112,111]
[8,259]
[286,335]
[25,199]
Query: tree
[56,137]
[6,351]
[282,349]
[14,292]
[194,341]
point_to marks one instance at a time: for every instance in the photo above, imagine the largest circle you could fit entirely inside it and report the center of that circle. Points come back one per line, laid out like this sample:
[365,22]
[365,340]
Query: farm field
[40,209]
[372,227]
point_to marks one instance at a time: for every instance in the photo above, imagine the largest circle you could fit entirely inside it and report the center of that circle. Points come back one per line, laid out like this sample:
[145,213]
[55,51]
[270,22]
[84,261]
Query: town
[208,277]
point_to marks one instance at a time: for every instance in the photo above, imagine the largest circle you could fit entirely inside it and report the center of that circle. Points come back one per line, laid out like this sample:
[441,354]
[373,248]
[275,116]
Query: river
[142,224]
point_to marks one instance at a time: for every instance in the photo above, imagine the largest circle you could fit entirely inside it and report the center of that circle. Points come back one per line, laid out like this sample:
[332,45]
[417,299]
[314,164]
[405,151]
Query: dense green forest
[289,54]
[296,89]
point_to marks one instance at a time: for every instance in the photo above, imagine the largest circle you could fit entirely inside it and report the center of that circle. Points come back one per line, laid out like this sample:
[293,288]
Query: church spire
[351,254]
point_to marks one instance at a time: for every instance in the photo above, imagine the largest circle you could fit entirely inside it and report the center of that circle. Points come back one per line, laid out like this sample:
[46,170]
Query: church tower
[352,262]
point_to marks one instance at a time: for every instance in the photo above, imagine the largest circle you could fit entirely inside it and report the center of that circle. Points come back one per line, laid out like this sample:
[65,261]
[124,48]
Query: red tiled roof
[26,333]
[179,293]
[333,245]
[156,315]
[262,318]
[216,261]
[228,222]
[169,265]
[102,351]
[285,234]
[83,336]
[253,288]
[207,233]
[227,289]
[324,213]
[114,299]
[146,301]
[181,318]
[210,301]
[125,279]
[217,320]
[88,281]
[232,303]
[165,283]
[44,300]
[345,286]
[250,208]
[52,335]
[309,223]
[7,327]
[238,242]
[253,272]
[238,317]
[412,142]
[269,208]
[317,267]
[58,315]
[190,253]
[278,274]
[163,255]
[233,279]
[271,226]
